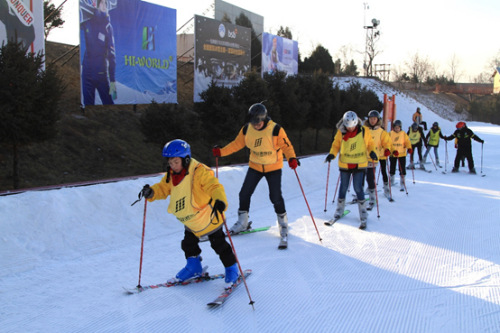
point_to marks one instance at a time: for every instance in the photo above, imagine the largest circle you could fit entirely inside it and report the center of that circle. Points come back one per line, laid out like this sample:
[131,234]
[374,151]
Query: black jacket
[464,136]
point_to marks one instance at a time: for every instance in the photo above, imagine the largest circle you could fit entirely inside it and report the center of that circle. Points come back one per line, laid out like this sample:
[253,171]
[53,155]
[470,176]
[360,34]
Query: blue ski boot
[193,269]
[232,275]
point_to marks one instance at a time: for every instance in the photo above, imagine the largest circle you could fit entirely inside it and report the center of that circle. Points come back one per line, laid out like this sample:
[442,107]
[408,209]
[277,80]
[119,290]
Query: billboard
[279,53]
[224,9]
[22,21]
[222,54]
[128,52]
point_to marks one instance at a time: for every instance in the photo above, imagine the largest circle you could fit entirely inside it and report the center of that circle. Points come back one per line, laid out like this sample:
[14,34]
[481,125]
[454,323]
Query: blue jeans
[435,152]
[358,179]
[251,181]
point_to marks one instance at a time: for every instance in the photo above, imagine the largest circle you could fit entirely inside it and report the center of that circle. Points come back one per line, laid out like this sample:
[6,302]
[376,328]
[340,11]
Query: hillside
[102,142]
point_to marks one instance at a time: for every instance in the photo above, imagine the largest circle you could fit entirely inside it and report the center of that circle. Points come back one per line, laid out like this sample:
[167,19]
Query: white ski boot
[402,185]
[363,214]
[241,224]
[387,190]
[372,200]
[283,226]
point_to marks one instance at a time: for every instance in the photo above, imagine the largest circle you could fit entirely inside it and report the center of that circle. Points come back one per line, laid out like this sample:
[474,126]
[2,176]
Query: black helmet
[414,126]
[374,113]
[397,123]
[257,113]
[435,124]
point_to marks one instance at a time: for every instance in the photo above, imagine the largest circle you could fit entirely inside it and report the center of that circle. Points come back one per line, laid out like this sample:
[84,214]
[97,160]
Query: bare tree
[371,49]
[419,68]
[454,67]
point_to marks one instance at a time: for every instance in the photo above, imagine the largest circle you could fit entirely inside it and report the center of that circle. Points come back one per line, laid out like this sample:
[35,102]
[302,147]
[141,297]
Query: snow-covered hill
[429,263]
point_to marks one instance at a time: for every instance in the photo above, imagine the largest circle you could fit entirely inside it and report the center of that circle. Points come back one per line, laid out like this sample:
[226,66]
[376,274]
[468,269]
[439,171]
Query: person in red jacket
[267,142]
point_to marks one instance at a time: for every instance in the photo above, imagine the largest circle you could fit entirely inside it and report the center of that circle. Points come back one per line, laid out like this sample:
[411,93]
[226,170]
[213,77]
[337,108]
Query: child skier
[197,200]
[463,134]
[401,144]
[417,139]
[382,142]
[353,144]
[432,139]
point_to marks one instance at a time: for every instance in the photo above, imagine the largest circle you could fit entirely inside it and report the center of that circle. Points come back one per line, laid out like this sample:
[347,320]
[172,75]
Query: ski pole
[237,261]
[412,170]
[389,179]
[336,188]
[430,155]
[446,157]
[378,177]
[217,167]
[296,174]
[402,178]
[142,241]
[376,194]
[327,178]
[482,144]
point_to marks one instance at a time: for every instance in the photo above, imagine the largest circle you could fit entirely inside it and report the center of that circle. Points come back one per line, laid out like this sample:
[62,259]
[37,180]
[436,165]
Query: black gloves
[329,158]
[146,192]
[218,207]
[373,156]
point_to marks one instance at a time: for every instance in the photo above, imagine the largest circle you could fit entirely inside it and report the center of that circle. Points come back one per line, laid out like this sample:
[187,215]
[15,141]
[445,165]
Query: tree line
[300,103]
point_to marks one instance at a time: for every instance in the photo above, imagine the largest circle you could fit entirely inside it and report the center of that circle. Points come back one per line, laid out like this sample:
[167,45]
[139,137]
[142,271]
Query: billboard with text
[222,54]
[22,21]
[128,52]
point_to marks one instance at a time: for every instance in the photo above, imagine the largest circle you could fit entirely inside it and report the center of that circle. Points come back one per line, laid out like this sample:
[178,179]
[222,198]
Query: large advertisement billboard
[279,54]
[22,22]
[224,9]
[222,54]
[128,52]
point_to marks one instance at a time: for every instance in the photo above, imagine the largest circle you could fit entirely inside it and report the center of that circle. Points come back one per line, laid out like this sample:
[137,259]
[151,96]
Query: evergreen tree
[28,100]
[52,17]
[252,89]
[320,60]
[161,123]
[219,114]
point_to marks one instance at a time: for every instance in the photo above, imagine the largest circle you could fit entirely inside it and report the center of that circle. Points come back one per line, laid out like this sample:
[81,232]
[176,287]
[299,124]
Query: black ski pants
[251,181]
[190,246]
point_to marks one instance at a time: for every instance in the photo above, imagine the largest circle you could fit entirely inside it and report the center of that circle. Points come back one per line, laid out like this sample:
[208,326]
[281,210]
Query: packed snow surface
[428,262]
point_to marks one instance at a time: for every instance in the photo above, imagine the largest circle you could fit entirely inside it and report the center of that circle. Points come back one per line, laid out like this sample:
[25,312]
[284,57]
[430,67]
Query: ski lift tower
[371,34]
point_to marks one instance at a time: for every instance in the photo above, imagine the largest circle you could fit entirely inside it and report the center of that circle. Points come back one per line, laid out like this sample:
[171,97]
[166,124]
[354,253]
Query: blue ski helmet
[177,148]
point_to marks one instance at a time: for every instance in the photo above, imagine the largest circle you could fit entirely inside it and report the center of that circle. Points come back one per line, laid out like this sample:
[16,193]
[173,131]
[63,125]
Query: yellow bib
[194,215]
[398,142]
[377,140]
[353,151]
[414,137]
[261,144]
[434,138]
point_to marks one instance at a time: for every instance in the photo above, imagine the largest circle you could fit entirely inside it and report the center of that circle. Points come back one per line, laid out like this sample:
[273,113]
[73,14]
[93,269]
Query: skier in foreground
[198,200]
[267,142]
[352,143]
[463,134]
